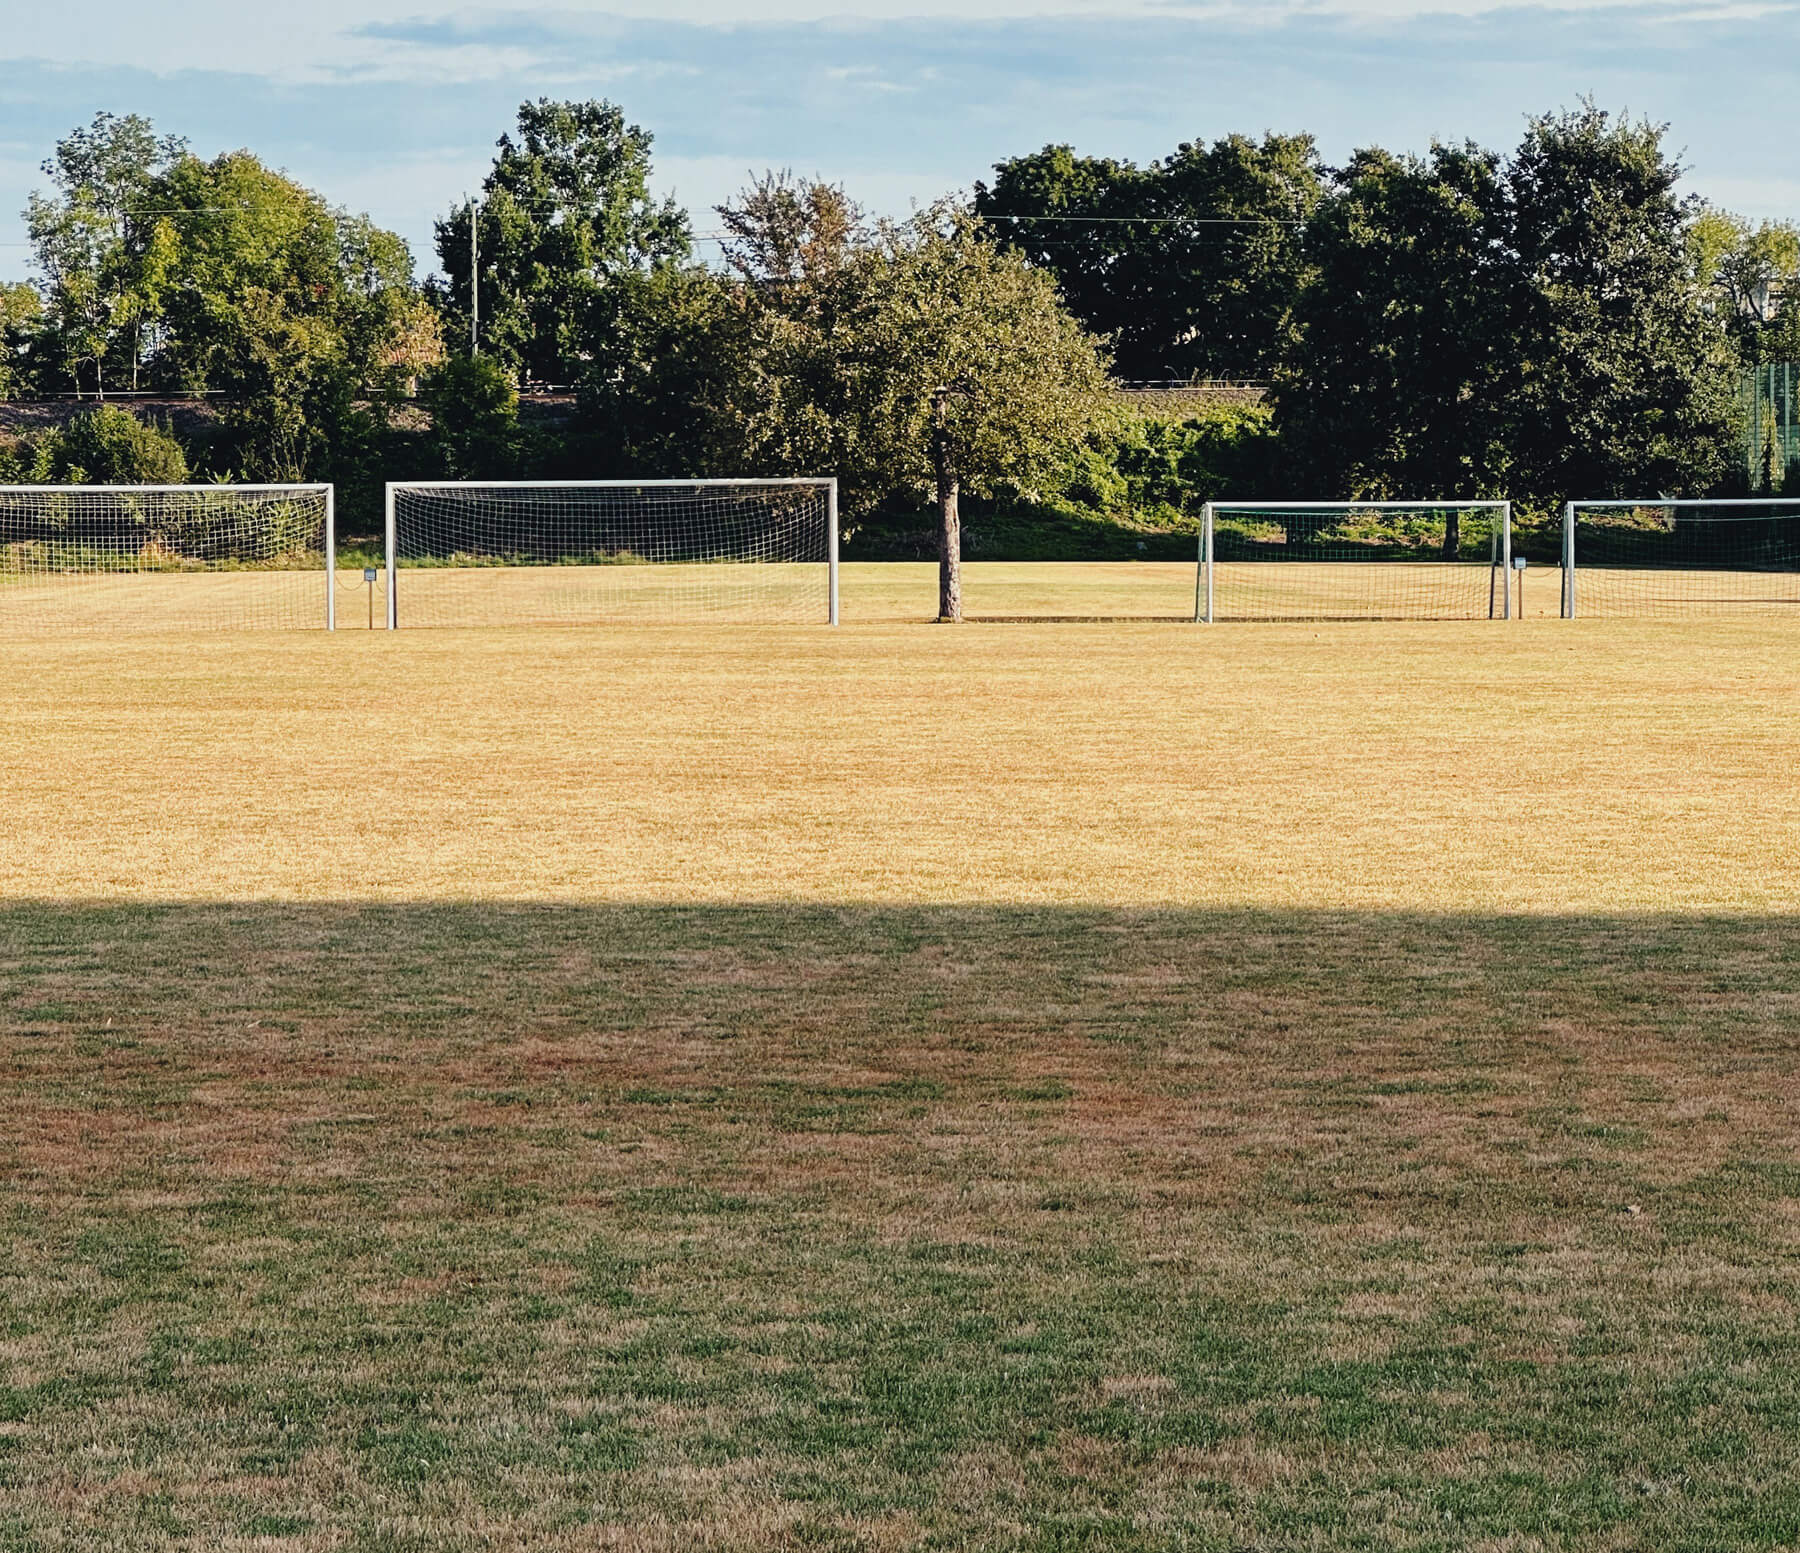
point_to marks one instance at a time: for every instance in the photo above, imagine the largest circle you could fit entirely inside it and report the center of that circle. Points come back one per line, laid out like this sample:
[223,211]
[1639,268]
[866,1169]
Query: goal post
[571,551]
[1367,560]
[151,558]
[1687,556]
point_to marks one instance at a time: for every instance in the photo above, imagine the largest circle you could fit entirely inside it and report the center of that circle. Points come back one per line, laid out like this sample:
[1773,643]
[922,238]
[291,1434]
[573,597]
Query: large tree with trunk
[967,371]
[916,360]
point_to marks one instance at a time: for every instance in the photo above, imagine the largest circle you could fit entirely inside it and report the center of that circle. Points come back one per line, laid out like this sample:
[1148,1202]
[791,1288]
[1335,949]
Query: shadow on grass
[442,1225]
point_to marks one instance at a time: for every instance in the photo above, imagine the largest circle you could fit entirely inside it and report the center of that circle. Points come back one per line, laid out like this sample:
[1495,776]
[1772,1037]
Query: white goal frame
[826,484]
[1204,579]
[1573,510]
[309,488]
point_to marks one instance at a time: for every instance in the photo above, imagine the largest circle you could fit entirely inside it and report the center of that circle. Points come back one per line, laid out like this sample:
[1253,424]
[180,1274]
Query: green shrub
[110,446]
[1160,470]
[474,409]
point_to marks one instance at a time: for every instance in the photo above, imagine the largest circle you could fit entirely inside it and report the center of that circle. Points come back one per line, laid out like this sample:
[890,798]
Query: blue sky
[392,106]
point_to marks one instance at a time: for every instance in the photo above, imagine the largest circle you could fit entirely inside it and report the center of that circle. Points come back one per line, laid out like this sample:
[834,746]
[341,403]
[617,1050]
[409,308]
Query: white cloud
[331,39]
[388,109]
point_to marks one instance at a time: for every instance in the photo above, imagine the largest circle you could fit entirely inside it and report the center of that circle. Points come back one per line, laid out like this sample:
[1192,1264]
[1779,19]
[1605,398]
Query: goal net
[1654,557]
[574,551]
[165,557]
[1427,560]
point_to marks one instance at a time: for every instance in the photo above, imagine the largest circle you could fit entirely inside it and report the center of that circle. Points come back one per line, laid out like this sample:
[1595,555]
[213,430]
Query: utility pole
[475,276]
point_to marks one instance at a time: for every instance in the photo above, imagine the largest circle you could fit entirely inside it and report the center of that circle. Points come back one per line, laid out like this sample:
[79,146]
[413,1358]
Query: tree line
[1556,320]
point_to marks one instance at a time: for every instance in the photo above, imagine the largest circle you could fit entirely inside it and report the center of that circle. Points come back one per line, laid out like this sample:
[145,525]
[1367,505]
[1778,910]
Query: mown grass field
[1015,1087]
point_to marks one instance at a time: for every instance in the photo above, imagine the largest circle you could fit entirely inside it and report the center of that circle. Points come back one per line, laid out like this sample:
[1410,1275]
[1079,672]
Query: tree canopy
[1188,266]
[564,214]
[1559,319]
[1535,326]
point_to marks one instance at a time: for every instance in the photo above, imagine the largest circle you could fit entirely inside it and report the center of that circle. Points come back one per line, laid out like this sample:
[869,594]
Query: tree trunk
[949,550]
[949,519]
[1452,536]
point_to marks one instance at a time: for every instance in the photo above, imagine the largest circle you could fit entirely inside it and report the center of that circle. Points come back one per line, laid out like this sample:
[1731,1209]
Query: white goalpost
[570,551]
[1661,556]
[1367,560]
[120,558]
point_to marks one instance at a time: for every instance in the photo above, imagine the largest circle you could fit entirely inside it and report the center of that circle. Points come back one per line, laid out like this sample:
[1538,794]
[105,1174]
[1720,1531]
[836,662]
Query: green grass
[448,1226]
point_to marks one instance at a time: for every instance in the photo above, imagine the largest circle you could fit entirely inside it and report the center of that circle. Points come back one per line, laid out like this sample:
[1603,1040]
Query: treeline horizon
[1558,320]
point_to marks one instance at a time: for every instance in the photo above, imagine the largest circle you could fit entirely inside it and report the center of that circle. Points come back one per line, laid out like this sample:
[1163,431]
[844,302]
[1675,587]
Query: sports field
[1018,1086]
[153,602]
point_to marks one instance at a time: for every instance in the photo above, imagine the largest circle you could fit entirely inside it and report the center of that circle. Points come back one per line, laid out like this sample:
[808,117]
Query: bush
[474,410]
[110,446]
[1160,470]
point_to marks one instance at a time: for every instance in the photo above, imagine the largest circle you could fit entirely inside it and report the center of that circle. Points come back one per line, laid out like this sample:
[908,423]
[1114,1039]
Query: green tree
[1626,371]
[803,256]
[297,313]
[1753,273]
[1081,219]
[564,213]
[87,239]
[1189,266]
[227,277]
[21,320]
[1397,379]
[666,384]
[915,361]
[1555,325]
[694,370]
[966,371]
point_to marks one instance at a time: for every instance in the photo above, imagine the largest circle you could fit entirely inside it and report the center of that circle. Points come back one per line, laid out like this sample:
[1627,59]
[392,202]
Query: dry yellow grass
[1534,766]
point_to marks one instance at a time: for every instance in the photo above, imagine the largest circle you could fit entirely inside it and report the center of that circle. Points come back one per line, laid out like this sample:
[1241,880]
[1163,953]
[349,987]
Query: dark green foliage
[474,411]
[1537,328]
[1625,375]
[823,352]
[103,446]
[1395,380]
[667,377]
[1460,324]
[1188,266]
[565,212]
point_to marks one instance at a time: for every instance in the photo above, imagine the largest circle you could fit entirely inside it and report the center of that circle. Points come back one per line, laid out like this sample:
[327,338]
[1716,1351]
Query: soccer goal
[1691,557]
[112,558]
[547,552]
[1387,560]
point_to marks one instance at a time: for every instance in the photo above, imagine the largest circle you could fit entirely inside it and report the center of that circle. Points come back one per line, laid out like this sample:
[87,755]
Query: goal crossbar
[395,536]
[93,496]
[1206,578]
[1741,507]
